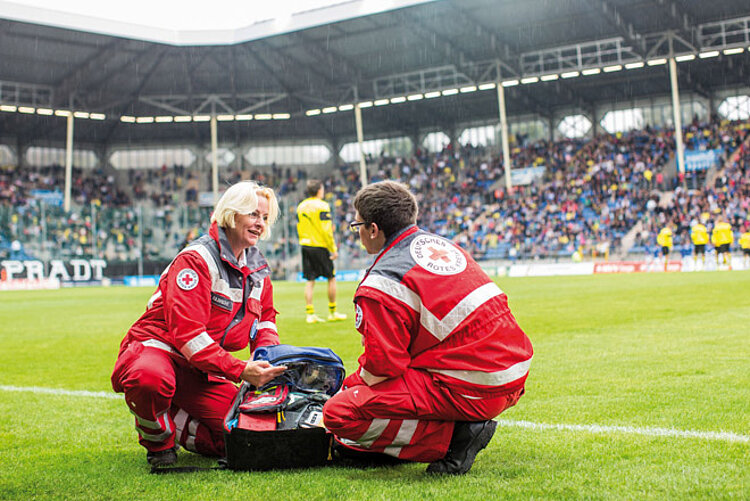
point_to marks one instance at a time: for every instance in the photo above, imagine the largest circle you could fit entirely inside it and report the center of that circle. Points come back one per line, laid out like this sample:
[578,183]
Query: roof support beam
[611,14]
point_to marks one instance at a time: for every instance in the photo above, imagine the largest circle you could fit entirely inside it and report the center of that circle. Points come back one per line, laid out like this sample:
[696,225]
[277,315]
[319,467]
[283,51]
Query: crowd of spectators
[592,193]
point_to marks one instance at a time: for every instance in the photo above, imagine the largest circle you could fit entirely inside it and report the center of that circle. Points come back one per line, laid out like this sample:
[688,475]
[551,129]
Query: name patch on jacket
[221,301]
[437,255]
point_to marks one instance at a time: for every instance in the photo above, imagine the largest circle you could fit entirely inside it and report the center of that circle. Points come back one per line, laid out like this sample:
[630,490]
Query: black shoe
[166,457]
[467,440]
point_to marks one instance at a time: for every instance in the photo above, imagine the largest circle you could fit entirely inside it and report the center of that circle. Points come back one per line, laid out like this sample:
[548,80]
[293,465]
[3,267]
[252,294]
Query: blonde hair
[242,198]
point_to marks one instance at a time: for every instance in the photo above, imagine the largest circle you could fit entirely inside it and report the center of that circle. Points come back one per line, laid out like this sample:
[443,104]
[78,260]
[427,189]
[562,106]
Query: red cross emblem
[187,279]
[436,254]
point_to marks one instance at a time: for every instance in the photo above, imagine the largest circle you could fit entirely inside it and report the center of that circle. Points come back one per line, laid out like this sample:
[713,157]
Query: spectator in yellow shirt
[699,236]
[319,250]
[722,239]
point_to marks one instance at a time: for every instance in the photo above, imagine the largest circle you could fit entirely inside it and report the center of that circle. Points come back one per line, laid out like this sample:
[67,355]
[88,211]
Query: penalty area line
[588,428]
[630,430]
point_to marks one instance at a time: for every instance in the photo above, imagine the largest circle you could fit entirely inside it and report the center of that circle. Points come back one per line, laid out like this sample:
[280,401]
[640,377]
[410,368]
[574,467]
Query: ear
[374,230]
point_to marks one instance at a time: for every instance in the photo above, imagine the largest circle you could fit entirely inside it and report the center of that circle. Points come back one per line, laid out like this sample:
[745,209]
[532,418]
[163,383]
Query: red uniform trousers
[409,417]
[173,402]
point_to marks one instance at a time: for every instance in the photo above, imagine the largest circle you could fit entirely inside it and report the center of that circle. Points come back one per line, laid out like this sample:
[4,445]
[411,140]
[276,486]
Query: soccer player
[443,354]
[664,239]
[315,232]
[745,244]
[722,239]
[699,236]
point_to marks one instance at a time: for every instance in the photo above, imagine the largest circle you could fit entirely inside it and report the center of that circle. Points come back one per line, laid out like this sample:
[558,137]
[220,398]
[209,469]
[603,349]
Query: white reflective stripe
[377,427]
[154,297]
[146,422]
[498,378]
[395,290]
[179,421]
[155,343]
[190,444]
[196,344]
[267,325]
[405,432]
[438,328]
[470,397]
[256,292]
[403,437]
[468,305]
[157,425]
[370,379]
[161,437]
[193,427]
[218,284]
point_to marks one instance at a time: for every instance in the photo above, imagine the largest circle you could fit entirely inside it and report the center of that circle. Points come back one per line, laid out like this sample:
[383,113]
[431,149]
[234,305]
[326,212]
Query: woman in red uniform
[216,297]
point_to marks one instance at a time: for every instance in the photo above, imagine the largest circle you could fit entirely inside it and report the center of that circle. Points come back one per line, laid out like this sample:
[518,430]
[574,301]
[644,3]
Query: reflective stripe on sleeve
[498,378]
[370,378]
[155,343]
[437,327]
[267,325]
[196,344]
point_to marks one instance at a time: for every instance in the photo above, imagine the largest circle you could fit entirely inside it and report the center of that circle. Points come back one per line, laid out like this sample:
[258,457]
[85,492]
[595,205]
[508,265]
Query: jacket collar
[253,258]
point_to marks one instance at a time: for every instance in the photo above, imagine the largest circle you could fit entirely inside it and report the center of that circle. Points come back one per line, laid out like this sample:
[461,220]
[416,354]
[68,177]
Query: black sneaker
[467,440]
[166,457]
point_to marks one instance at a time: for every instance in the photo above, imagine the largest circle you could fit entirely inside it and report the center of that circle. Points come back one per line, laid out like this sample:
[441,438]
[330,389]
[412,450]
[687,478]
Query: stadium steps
[629,239]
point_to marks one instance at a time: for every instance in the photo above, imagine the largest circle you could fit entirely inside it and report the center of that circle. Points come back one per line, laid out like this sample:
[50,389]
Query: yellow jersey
[314,225]
[745,240]
[664,238]
[699,234]
[722,234]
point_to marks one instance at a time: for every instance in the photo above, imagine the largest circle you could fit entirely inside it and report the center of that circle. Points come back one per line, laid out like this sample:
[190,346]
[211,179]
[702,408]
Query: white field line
[630,430]
[56,391]
[590,428]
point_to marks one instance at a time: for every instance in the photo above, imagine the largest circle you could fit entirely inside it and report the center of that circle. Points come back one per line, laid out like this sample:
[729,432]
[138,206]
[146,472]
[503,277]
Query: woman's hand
[258,373]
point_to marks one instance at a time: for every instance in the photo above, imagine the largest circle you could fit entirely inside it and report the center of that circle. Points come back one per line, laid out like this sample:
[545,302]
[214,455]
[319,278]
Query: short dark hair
[313,187]
[388,204]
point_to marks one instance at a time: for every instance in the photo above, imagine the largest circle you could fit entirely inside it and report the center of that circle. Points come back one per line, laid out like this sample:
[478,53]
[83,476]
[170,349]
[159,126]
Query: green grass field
[617,358]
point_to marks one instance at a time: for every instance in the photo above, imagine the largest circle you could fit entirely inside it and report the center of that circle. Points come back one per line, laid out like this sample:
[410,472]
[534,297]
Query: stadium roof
[550,54]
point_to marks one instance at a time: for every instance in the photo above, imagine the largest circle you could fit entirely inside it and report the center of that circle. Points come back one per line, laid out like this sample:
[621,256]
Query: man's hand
[258,373]
[333,255]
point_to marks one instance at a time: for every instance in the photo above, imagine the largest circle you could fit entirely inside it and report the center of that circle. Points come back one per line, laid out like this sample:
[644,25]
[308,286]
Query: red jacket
[426,304]
[206,306]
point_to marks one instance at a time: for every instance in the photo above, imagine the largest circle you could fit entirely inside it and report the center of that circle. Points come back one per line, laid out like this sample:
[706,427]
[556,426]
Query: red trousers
[409,417]
[171,401]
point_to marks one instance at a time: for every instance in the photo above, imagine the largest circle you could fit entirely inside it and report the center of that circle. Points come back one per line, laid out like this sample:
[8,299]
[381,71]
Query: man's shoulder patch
[187,279]
[357,316]
[437,255]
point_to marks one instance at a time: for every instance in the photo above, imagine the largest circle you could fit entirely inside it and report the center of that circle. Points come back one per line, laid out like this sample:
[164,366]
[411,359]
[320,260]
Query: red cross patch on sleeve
[187,279]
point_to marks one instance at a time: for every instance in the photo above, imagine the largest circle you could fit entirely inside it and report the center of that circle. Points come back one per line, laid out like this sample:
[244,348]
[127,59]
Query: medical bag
[280,425]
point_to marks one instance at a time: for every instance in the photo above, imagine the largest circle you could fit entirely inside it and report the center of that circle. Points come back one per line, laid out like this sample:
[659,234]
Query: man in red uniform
[443,354]
[174,364]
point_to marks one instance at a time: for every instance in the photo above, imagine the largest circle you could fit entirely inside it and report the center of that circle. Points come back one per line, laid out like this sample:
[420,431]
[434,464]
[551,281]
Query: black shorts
[722,249]
[316,262]
[664,250]
[700,248]
[746,252]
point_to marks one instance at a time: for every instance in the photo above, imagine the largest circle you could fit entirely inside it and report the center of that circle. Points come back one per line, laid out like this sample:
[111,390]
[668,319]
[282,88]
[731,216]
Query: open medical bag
[280,425]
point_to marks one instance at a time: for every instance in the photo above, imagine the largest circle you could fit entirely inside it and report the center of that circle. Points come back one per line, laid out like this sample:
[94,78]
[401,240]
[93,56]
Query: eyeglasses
[354,226]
